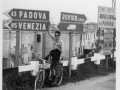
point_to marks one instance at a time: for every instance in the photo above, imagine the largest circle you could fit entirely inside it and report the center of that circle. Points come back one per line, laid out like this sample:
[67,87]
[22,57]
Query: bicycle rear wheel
[59,71]
[39,79]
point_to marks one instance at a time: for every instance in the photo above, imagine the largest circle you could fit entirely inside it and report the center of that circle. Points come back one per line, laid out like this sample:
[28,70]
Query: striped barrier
[74,63]
[96,58]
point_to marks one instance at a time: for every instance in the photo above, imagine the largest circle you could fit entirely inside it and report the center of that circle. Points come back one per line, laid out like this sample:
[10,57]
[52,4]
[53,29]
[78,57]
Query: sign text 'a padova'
[28,14]
[106,17]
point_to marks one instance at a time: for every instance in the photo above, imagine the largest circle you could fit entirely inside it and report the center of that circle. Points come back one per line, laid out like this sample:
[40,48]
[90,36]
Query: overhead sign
[28,25]
[28,14]
[106,17]
[70,27]
[70,17]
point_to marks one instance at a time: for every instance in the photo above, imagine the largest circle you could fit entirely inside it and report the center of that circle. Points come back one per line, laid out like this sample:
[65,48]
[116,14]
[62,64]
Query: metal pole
[21,42]
[43,44]
[9,48]
[106,61]
[113,46]
[98,38]
[114,6]
[17,48]
[70,52]
[34,51]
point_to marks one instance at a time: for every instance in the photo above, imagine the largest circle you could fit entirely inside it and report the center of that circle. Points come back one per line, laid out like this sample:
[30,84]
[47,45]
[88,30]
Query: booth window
[38,37]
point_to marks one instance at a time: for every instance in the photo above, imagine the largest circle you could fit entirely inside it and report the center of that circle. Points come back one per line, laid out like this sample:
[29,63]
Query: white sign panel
[106,17]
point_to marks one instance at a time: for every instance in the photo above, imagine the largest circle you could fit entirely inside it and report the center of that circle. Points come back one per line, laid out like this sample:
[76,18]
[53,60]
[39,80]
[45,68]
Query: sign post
[114,42]
[17,48]
[106,21]
[43,44]
[71,23]
[26,20]
[114,45]
[70,52]
[106,61]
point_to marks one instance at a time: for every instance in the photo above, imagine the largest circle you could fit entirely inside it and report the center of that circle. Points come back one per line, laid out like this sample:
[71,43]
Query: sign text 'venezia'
[28,25]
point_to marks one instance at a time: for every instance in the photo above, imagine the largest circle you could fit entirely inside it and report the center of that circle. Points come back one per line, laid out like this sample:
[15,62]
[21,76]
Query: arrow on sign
[4,22]
[27,25]
[70,27]
[7,24]
[7,13]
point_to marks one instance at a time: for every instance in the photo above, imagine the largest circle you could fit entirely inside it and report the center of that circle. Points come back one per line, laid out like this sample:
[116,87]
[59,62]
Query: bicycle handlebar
[43,61]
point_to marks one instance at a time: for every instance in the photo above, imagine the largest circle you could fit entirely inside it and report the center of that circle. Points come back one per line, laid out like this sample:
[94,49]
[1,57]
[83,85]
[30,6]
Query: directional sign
[28,14]
[106,17]
[108,36]
[28,25]
[70,17]
[108,31]
[70,27]
[107,52]
[108,40]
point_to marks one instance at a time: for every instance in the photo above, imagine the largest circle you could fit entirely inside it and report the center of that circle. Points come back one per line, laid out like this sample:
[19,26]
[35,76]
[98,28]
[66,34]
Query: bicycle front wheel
[39,80]
[59,72]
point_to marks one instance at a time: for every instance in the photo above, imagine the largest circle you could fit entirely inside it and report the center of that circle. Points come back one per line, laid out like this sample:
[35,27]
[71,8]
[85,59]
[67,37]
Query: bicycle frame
[50,75]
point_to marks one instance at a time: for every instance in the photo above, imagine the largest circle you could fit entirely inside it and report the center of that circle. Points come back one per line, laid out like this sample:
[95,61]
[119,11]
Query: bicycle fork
[52,73]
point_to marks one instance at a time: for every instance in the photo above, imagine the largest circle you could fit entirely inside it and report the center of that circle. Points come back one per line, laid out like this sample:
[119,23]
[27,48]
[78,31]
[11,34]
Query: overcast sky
[87,7]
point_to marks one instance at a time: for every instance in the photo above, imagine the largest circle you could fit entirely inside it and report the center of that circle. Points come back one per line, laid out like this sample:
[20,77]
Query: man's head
[57,34]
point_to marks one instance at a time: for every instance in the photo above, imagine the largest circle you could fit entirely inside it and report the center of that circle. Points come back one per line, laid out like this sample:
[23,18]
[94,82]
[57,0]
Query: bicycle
[42,74]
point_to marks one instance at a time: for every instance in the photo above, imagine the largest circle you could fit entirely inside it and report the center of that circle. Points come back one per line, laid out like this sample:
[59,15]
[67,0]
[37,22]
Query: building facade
[34,43]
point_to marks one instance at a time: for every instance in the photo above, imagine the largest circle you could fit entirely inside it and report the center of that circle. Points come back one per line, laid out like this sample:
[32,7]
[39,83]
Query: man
[58,49]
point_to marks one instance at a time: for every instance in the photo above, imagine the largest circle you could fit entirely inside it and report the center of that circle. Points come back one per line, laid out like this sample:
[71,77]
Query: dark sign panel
[70,17]
[28,25]
[108,41]
[28,14]
[70,27]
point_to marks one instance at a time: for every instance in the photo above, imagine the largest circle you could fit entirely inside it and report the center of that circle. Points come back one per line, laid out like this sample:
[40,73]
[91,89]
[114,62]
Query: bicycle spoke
[59,72]
[39,80]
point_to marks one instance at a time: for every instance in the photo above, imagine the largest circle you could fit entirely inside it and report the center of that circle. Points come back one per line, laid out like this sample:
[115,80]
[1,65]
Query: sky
[87,7]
